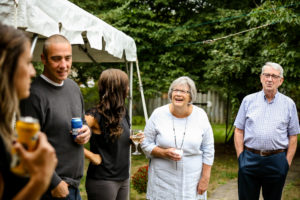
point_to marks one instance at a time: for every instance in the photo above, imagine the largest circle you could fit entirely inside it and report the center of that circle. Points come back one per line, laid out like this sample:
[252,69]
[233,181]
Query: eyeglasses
[181,91]
[271,75]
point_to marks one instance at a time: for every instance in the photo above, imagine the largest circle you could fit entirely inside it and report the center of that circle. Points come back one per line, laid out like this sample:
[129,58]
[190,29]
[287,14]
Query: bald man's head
[53,39]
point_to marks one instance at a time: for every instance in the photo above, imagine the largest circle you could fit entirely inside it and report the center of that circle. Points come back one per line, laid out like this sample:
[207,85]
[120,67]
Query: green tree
[169,35]
[240,58]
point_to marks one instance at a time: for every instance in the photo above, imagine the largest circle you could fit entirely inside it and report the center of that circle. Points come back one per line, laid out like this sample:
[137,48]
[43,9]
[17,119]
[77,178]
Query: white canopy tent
[92,39]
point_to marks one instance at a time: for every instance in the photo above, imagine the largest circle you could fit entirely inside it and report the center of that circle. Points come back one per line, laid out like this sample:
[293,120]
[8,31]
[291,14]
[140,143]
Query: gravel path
[229,191]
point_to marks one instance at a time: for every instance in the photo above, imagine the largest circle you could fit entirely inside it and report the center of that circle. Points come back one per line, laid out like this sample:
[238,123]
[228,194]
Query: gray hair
[184,80]
[274,66]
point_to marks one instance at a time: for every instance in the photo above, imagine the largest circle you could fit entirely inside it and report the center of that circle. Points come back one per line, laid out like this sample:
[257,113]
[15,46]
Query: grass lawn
[292,190]
[225,168]
[225,165]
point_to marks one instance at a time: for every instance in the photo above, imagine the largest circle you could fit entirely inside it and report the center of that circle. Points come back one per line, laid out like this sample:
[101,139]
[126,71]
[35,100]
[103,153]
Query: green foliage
[90,96]
[39,67]
[138,120]
[140,179]
[239,59]
[169,35]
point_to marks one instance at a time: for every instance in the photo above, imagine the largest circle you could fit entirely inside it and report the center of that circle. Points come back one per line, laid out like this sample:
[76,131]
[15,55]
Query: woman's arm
[93,124]
[40,164]
[168,153]
[35,185]
[93,157]
[208,149]
[204,180]
[34,189]
[149,146]
[1,185]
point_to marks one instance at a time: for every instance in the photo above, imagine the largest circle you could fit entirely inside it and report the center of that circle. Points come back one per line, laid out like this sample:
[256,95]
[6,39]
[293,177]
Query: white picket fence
[211,102]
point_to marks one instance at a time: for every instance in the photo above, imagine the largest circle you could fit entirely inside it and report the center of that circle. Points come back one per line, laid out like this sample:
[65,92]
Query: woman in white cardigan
[179,142]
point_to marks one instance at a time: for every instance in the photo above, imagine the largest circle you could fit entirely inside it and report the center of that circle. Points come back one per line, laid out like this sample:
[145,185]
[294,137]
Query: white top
[164,180]
[51,82]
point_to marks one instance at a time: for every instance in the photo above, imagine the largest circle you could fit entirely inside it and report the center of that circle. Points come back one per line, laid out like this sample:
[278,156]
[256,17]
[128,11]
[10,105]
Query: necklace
[175,140]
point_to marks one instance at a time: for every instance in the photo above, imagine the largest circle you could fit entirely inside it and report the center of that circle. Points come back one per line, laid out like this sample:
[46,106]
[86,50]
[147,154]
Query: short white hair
[274,66]
[184,80]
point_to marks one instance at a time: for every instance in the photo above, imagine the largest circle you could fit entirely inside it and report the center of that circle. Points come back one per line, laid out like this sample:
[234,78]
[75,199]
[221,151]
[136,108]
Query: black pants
[107,190]
[268,173]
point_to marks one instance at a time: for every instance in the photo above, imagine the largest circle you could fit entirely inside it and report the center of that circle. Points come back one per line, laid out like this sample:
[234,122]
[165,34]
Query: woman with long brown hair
[108,173]
[16,71]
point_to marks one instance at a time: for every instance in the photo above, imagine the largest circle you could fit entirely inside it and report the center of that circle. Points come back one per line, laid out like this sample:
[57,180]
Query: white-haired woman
[179,142]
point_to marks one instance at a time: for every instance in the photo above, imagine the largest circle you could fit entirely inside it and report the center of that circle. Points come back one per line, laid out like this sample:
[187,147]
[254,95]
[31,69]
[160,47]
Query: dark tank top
[12,183]
[114,154]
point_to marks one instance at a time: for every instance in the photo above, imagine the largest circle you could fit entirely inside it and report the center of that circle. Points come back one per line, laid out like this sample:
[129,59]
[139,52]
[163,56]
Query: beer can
[76,125]
[27,129]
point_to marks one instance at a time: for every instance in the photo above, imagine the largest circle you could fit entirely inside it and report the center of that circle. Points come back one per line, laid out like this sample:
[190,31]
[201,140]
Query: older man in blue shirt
[265,138]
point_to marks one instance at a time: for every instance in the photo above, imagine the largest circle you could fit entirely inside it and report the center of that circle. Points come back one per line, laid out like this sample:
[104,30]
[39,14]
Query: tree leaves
[169,35]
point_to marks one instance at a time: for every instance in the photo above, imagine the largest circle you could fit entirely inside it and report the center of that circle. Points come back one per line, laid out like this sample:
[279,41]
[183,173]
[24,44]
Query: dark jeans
[74,194]
[257,172]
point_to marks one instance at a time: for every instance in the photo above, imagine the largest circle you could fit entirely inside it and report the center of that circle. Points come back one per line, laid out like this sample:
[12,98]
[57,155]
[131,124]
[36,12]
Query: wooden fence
[211,102]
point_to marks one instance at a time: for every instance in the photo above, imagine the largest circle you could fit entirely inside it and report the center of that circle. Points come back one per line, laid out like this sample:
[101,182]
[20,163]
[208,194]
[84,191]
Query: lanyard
[175,140]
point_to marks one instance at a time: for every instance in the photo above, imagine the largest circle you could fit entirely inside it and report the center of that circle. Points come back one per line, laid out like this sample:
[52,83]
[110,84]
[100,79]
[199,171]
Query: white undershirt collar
[51,82]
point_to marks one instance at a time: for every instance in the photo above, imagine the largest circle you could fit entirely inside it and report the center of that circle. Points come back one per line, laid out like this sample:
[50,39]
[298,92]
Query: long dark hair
[12,45]
[113,89]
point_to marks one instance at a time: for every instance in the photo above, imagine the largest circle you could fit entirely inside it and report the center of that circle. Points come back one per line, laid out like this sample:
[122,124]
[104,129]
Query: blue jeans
[266,172]
[74,194]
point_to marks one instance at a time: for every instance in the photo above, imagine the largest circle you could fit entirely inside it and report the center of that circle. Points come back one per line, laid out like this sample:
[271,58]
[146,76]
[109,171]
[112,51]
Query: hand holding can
[27,134]
[76,125]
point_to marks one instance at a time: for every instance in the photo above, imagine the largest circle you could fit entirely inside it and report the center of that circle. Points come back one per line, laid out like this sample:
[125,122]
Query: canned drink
[76,125]
[27,134]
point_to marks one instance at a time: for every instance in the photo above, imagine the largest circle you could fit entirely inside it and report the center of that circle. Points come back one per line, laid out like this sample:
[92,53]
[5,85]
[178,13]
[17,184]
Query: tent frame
[86,47]
[34,42]
[130,98]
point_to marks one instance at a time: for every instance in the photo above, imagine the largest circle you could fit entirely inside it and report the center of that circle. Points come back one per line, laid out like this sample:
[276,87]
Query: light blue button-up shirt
[267,125]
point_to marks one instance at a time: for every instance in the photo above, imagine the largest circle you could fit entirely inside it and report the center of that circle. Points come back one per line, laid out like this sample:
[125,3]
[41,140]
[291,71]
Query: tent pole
[130,92]
[33,44]
[87,53]
[141,90]
[130,117]
[16,13]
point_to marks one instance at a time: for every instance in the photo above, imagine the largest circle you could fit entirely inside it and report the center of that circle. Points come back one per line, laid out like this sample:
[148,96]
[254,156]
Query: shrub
[90,96]
[140,179]
[138,120]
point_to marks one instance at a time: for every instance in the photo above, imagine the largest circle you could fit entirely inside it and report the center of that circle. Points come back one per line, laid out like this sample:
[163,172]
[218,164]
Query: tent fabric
[45,18]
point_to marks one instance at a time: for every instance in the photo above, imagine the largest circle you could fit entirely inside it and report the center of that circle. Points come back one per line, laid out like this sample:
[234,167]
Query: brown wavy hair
[12,45]
[113,89]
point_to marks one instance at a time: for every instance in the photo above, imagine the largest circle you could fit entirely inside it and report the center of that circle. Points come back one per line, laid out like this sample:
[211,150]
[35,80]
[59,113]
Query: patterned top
[267,125]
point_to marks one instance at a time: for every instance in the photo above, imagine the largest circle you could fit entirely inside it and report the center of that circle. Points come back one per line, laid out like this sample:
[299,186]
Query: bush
[140,179]
[90,96]
[138,120]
